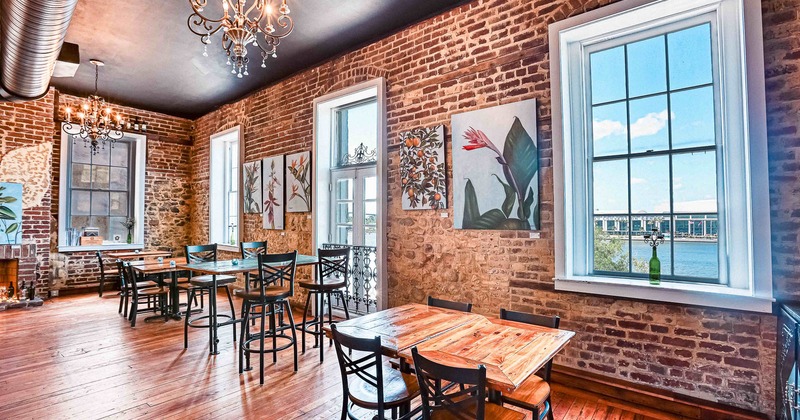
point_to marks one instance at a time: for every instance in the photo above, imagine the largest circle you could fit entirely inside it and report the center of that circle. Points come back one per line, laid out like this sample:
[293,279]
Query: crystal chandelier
[241,25]
[97,123]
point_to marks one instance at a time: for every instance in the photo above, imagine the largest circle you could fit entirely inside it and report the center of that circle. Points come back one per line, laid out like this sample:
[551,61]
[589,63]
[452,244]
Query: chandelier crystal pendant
[258,24]
[96,123]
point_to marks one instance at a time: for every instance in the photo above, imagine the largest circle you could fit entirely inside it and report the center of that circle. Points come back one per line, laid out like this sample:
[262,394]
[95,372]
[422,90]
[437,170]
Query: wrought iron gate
[361,290]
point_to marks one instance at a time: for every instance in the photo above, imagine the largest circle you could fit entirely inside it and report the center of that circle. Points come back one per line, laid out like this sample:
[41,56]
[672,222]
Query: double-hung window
[224,188]
[659,124]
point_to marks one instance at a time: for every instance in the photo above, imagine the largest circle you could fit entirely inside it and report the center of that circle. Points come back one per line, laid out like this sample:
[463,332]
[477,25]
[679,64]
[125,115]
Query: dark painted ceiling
[154,62]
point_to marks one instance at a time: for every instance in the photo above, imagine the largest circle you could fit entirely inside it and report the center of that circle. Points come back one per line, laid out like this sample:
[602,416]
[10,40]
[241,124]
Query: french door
[354,213]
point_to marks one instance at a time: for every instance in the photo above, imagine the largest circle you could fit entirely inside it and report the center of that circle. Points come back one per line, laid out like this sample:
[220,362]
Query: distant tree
[612,255]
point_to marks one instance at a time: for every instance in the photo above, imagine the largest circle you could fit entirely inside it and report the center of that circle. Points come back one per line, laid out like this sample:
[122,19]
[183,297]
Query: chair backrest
[533,319]
[123,275]
[448,304]
[465,402]
[252,249]
[333,265]
[101,263]
[201,253]
[130,278]
[277,269]
[368,367]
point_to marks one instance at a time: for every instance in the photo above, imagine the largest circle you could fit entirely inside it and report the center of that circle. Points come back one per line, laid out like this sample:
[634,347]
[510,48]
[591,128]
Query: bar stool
[204,283]
[251,250]
[331,277]
[277,270]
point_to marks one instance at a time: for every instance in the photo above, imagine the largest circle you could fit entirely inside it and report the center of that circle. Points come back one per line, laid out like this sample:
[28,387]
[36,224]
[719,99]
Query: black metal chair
[104,273]
[203,284]
[251,250]
[534,393]
[332,273]
[370,384]
[448,304]
[142,291]
[448,402]
[125,289]
[276,286]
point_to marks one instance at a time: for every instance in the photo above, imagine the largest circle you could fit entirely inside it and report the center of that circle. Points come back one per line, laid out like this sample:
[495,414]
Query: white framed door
[354,213]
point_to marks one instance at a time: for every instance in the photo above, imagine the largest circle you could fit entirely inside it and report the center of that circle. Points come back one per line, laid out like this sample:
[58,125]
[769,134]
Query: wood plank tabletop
[244,266]
[511,351]
[404,326]
[154,267]
[133,255]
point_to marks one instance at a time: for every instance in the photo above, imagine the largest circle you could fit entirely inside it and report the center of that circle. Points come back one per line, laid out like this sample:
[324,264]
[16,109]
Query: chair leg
[261,353]
[186,320]
[102,284]
[294,332]
[330,314]
[344,304]
[274,329]
[550,409]
[243,337]
[318,325]
[305,315]
[127,304]
[233,310]
[134,310]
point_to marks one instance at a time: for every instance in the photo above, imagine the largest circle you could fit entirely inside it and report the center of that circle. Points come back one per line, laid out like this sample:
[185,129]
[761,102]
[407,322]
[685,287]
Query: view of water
[693,259]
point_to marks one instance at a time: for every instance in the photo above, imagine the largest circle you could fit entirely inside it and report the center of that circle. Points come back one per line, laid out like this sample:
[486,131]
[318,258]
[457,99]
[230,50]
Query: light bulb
[274,55]
[263,64]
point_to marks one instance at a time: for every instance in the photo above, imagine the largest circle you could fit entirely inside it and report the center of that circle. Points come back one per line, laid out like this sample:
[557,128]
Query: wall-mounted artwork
[496,168]
[422,173]
[298,182]
[10,213]
[273,206]
[252,187]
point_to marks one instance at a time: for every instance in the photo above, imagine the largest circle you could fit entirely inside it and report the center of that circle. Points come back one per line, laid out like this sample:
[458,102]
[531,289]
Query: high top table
[227,267]
[511,351]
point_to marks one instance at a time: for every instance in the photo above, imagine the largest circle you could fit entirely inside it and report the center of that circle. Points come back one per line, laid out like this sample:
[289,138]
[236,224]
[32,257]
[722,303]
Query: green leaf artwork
[10,213]
[298,182]
[252,187]
[504,181]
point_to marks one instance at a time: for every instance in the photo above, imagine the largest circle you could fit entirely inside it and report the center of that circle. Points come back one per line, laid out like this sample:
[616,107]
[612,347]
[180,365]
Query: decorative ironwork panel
[361,155]
[361,288]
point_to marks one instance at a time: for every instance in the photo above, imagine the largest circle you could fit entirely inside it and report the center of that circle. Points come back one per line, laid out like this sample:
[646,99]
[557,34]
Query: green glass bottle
[655,269]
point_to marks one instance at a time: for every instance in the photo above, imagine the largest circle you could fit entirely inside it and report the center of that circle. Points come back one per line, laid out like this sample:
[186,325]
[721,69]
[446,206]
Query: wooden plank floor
[75,357]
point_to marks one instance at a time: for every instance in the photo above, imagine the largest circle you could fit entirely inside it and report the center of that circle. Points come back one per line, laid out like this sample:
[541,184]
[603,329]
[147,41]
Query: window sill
[104,247]
[715,296]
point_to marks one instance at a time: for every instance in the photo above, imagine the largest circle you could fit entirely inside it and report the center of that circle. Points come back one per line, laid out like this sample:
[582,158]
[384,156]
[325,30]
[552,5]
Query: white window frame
[217,187]
[358,174]
[140,156]
[745,261]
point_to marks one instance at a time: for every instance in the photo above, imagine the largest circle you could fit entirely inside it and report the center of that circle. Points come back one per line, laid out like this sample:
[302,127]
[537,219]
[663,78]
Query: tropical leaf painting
[252,187]
[422,171]
[496,168]
[298,182]
[10,213]
[273,205]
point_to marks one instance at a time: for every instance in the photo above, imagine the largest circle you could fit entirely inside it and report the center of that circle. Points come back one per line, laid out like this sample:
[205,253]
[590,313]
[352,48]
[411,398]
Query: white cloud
[695,206]
[605,128]
[650,124]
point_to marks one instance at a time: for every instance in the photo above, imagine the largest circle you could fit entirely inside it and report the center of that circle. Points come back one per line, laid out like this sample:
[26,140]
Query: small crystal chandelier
[241,24]
[98,123]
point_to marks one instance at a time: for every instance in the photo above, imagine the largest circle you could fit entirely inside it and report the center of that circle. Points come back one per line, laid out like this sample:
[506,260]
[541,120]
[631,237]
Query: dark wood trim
[618,390]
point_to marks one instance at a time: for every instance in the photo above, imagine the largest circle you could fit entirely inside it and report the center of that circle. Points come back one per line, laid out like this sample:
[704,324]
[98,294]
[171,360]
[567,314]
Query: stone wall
[167,194]
[494,52]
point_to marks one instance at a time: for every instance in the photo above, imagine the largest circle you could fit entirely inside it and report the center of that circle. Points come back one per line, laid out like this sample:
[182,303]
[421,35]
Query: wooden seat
[369,383]
[534,393]
[449,304]
[315,285]
[441,400]
[270,292]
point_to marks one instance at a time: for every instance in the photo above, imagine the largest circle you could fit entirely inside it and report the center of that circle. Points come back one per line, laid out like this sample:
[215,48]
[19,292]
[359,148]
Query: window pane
[81,203]
[103,155]
[100,203]
[357,128]
[344,234]
[610,129]
[344,213]
[694,182]
[696,246]
[102,224]
[648,126]
[690,57]
[81,175]
[611,186]
[370,212]
[80,152]
[370,236]
[116,228]
[79,222]
[120,155]
[119,178]
[650,185]
[642,252]
[344,189]
[100,177]
[693,118]
[647,67]
[370,188]
[608,75]
[611,251]
[119,204]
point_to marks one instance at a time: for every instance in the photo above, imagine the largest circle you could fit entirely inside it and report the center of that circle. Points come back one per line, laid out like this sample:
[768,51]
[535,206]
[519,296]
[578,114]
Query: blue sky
[645,112]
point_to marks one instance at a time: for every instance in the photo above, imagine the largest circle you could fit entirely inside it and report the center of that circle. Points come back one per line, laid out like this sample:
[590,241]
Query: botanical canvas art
[496,168]
[273,206]
[252,187]
[298,182]
[422,173]
[10,213]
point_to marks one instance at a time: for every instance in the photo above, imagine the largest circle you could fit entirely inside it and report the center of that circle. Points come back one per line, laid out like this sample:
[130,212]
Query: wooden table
[145,268]
[133,255]
[227,267]
[511,351]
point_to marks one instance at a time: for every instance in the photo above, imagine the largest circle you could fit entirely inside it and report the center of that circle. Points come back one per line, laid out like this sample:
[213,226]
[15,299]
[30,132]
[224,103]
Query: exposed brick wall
[488,53]
[167,193]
